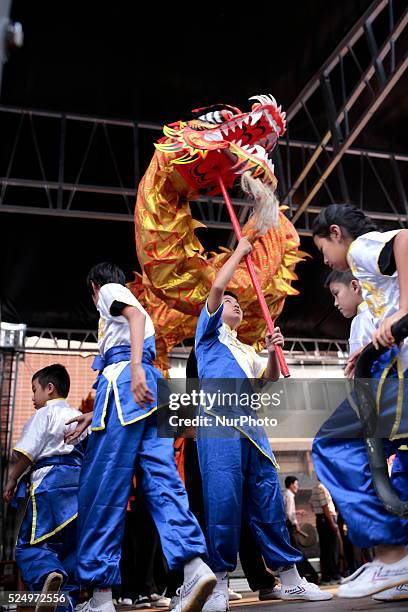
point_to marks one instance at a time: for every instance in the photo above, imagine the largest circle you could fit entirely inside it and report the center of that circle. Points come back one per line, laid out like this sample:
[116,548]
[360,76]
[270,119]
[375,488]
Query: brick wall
[81,374]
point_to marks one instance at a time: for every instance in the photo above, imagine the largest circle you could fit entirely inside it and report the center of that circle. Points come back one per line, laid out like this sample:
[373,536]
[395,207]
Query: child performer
[239,473]
[348,298]
[46,545]
[348,239]
[124,430]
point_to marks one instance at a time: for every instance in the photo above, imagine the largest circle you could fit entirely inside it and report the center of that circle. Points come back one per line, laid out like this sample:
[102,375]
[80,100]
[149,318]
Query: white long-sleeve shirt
[290,506]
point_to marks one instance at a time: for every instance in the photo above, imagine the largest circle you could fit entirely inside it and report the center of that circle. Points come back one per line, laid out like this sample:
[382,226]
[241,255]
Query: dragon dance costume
[47,539]
[124,432]
[339,451]
[177,273]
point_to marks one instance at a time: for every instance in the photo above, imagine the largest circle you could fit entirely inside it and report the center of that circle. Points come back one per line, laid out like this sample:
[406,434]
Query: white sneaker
[125,601]
[142,601]
[373,578]
[154,597]
[217,602]
[307,591]
[394,594]
[194,594]
[174,602]
[87,606]
[52,584]
[161,602]
[233,596]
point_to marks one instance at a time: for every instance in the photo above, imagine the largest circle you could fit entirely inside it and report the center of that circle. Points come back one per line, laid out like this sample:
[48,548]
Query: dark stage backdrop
[153,61]
[45,262]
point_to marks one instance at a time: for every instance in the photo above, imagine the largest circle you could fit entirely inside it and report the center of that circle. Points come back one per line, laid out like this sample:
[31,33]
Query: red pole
[251,269]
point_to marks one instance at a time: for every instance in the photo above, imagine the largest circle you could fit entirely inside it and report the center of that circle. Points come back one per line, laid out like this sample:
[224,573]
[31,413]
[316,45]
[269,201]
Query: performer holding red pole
[251,270]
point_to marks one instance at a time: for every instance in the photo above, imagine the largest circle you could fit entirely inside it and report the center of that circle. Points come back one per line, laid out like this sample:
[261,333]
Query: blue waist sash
[53,501]
[119,353]
[116,393]
[74,458]
[71,459]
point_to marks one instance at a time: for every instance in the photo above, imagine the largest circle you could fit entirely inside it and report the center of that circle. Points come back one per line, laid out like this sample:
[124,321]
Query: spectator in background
[326,524]
[305,569]
[291,488]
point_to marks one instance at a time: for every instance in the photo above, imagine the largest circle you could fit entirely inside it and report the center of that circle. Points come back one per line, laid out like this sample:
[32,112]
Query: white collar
[229,330]
[56,399]
[362,307]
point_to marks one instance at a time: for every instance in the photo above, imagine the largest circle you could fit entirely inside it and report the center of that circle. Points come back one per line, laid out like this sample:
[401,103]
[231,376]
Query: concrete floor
[250,603]
[342,605]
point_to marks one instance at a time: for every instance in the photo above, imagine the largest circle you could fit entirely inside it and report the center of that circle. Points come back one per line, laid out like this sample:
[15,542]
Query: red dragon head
[222,140]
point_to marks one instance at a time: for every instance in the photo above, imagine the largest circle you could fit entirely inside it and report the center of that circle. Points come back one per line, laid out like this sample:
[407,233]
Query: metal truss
[297,351]
[86,167]
[89,167]
[351,85]
[48,192]
[61,340]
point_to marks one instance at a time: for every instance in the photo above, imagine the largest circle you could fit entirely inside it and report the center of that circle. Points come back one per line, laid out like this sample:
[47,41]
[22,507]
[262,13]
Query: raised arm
[226,273]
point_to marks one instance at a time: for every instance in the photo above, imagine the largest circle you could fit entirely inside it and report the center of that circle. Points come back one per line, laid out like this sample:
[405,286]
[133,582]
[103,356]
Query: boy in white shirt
[46,545]
[348,298]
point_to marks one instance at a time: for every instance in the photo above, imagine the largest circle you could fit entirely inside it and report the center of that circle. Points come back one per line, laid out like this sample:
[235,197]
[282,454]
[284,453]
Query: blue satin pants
[240,483]
[106,476]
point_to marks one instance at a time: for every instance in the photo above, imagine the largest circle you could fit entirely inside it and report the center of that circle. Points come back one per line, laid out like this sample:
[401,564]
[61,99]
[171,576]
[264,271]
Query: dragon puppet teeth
[273,100]
[271,166]
[255,117]
[272,122]
[261,151]
[257,99]
[265,100]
